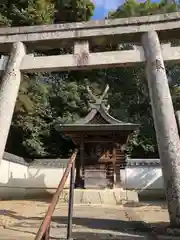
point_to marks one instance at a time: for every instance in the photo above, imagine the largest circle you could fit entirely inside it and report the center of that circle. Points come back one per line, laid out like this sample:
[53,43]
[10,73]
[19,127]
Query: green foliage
[31,118]
[74,10]
[44,99]
[132,8]
[26,12]
[130,103]
[131,89]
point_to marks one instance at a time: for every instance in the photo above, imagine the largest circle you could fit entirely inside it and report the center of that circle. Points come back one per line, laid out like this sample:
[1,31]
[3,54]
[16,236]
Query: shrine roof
[97,127]
[98,119]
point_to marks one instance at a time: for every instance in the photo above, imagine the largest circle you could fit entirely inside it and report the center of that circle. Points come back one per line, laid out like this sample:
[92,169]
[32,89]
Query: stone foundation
[81,196]
[101,197]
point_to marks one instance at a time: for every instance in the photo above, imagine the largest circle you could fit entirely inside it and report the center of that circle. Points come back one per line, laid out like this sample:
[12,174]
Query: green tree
[130,89]
[26,12]
[132,8]
[31,119]
[43,98]
[73,10]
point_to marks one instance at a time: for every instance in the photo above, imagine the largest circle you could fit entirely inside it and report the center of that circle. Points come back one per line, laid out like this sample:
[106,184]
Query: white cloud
[108,4]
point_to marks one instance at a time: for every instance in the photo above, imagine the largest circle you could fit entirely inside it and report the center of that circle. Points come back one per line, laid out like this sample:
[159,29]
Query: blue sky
[104,6]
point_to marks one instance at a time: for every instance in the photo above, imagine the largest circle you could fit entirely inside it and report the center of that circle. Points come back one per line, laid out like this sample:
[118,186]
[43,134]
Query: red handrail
[47,219]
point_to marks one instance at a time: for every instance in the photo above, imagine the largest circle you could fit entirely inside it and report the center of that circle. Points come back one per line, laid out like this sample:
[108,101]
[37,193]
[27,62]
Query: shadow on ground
[78,236]
[101,236]
[91,228]
[31,225]
[161,204]
[114,225]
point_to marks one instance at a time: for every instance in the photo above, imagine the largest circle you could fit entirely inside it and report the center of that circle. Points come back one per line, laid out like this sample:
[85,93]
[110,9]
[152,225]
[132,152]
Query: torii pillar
[9,87]
[165,123]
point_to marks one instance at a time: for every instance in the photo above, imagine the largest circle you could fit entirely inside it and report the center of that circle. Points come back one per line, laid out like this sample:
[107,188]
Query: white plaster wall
[12,174]
[12,180]
[17,179]
[17,175]
[142,178]
[45,177]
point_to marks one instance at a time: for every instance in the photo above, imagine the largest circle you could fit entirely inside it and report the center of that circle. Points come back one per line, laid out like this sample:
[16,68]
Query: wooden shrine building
[101,140]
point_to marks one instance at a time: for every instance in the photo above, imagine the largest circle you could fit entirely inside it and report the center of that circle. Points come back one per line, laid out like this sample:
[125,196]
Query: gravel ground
[21,219]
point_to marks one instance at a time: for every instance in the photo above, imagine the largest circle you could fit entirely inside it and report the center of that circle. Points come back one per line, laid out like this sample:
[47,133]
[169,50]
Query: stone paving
[21,219]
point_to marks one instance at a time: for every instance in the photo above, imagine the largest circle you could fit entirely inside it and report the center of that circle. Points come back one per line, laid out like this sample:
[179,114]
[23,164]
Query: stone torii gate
[146,32]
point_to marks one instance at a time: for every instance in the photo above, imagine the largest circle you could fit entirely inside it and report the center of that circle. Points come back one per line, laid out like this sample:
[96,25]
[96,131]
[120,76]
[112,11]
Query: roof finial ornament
[105,92]
[98,101]
[91,94]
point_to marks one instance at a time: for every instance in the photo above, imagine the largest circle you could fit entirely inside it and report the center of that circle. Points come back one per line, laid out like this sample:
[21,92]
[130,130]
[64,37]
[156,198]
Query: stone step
[100,197]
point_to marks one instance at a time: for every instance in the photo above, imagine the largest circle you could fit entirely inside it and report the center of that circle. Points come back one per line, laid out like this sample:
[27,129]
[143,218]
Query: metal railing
[44,230]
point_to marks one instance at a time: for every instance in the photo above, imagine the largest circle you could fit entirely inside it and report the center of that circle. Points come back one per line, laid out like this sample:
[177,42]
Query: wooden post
[117,167]
[71,202]
[82,160]
[78,177]
[46,234]
[9,90]
[165,123]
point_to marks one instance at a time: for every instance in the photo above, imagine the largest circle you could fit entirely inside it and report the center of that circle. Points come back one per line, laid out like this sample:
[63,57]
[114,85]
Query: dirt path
[22,218]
